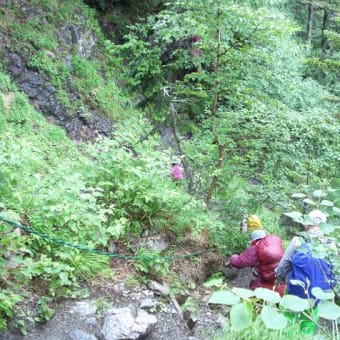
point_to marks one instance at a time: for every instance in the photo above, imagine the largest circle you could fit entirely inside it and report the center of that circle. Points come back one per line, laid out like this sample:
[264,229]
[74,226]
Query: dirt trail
[66,325]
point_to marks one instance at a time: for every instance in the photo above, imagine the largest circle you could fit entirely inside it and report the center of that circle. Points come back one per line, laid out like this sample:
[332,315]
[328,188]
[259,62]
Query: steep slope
[90,206]
[54,52]
[70,195]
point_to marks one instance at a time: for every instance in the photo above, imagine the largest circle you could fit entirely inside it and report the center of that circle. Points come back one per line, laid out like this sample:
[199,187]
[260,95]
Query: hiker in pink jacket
[176,172]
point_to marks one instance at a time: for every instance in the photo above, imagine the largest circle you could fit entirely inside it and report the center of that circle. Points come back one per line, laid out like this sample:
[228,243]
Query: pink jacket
[176,172]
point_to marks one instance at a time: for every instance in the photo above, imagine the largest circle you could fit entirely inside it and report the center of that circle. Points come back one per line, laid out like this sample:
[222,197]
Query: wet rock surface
[81,124]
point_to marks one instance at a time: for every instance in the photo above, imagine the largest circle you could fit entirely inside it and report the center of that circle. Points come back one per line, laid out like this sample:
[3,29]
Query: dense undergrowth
[278,132]
[103,192]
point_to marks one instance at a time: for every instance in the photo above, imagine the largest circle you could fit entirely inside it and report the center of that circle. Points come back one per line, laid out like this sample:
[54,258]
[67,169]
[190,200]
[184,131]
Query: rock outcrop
[82,123]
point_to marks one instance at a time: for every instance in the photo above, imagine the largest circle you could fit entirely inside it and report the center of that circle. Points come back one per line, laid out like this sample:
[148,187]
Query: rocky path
[118,312]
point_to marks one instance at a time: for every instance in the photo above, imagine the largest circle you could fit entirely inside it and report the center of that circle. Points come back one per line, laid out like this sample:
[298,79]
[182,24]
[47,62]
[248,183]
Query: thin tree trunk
[217,68]
[215,178]
[310,23]
[324,41]
[213,109]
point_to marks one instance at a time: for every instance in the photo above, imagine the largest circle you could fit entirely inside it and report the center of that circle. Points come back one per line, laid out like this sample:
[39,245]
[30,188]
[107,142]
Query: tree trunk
[310,23]
[215,178]
[213,109]
[324,41]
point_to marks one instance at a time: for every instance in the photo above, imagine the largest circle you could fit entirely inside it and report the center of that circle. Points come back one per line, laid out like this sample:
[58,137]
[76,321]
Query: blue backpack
[312,271]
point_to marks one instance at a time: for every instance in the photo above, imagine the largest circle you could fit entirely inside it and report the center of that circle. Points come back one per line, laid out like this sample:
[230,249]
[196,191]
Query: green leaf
[336,211]
[321,294]
[329,310]
[213,282]
[295,215]
[327,228]
[294,303]
[327,203]
[243,293]
[272,319]
[298,195]
[224,297]
[298,283]
[64,278]
[267,295]
[309,201]
[319,193]
[240,316]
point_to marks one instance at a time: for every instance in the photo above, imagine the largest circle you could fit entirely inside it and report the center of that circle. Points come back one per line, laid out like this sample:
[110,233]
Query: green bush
[263,312]
[56,71]
[257,330]
[151,263]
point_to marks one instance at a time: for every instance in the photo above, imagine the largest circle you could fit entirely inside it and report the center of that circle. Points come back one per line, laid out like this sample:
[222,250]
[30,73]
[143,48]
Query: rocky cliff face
[80,123]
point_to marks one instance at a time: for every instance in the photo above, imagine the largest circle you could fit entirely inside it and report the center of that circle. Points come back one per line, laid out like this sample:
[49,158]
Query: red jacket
[247,258]
[264,272]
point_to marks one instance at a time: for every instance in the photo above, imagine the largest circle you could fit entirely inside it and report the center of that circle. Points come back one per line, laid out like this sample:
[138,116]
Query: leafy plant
[102,306]
[317,199]
[44,311]
[152,263]
[56,71]
[257,329]
[227,95]
[275,312]
[7,302]
[248,306]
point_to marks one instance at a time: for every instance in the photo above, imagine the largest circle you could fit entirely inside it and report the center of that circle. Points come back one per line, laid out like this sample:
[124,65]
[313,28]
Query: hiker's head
[196,38]
[316,217]
[257,234]
[254,223]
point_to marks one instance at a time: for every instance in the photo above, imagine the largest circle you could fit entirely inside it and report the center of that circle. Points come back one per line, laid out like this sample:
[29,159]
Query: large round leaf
[294,303]
[319,193]
[336,211]
[224,297]
[329,310]
[272,318]
[327,203]
[240,316]
[295,216]
[267,295]
[243,293]
[309,201]
[321,294]
[327,228]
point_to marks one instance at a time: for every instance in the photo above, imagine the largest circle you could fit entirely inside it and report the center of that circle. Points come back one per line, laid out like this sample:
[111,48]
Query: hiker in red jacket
[263,256]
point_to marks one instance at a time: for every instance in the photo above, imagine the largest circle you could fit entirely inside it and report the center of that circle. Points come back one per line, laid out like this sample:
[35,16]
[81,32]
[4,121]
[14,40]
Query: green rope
[96,251]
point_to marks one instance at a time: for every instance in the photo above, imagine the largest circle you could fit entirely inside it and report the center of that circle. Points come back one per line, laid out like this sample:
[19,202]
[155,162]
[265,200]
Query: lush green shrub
[258,330]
